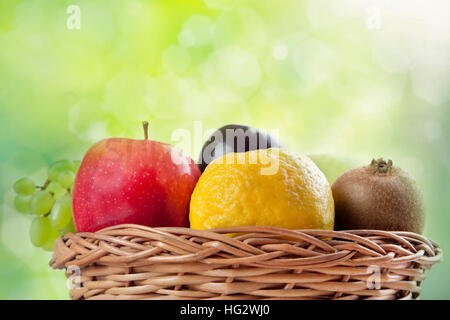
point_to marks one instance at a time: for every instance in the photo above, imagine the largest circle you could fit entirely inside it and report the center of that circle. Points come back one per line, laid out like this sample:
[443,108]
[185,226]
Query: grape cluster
[50,205]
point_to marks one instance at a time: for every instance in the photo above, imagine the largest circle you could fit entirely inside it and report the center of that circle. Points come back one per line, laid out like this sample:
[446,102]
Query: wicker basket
[137,262]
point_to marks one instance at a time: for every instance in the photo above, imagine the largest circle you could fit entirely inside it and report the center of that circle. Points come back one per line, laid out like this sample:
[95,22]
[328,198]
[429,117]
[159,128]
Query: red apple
[133,181]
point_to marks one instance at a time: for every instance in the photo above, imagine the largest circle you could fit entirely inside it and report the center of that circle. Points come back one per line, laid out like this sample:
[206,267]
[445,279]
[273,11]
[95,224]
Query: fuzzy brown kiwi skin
[378,196]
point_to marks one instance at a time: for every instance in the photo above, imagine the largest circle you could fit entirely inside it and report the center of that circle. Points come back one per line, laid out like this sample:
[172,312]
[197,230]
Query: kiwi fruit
[378,196]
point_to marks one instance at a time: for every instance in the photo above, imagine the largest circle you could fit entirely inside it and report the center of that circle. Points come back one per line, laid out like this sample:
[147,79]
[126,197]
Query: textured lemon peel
[232,193]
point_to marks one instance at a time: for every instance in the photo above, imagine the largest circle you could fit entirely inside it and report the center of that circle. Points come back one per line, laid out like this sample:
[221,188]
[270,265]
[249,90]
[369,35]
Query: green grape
[24,186]
[57,189]
[22,203]
[50,243]
[75,165]
[39,231]
[66,178]
[57,167]
[70,228]
[48,246]
[41,202]
[61,212]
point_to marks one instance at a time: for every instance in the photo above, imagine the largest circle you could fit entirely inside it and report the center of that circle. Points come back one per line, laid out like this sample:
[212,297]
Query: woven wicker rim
[138,262]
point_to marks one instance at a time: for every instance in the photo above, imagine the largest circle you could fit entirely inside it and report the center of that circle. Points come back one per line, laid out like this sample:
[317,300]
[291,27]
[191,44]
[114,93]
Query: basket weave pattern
[137,262]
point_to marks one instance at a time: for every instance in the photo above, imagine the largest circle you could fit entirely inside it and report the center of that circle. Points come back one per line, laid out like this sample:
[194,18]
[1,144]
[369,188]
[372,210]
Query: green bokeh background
[357,79]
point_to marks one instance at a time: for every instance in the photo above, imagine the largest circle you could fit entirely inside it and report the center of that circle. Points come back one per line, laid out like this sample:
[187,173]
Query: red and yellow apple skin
[133,181]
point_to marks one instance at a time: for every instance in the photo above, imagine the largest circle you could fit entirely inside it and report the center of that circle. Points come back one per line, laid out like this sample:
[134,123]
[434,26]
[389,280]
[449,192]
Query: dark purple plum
[234,138]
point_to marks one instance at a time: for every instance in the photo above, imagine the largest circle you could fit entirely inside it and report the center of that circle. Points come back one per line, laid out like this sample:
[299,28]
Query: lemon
[269,187]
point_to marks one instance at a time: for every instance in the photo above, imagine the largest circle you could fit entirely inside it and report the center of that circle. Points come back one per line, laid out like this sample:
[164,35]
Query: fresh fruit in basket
[378,196]
[133,181]
[248,194]
[266,187]
[234,138]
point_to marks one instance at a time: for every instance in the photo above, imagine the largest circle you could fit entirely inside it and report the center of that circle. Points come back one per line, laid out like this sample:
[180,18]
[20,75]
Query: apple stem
[145,125]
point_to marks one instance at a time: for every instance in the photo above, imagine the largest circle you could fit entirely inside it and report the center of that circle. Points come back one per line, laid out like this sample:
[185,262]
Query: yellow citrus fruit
[270,187]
